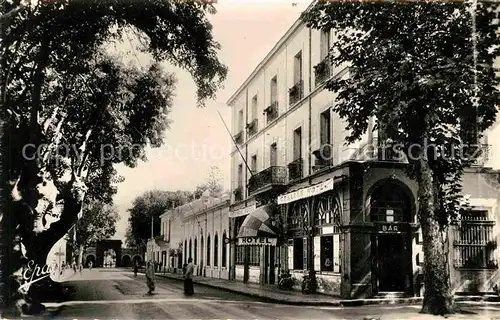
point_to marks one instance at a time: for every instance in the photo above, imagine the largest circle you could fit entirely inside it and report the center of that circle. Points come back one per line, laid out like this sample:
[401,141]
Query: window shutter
[290,257]
[336,253]
[317,253]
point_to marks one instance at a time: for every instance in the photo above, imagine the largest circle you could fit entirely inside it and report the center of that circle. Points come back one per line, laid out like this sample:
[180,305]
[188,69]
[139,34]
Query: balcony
[296,93]
[295,169]
[268,178]
[238,193]
[322,71]
[324,156]
[238,138]
[253,127]
[271,111]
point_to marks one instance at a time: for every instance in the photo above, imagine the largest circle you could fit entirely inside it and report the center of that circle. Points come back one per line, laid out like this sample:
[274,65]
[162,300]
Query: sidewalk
[269,293]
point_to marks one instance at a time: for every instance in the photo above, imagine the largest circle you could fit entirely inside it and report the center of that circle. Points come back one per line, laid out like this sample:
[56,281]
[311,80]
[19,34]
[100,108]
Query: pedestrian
[81,268]
[90,265]
[188,278]
[150,277]
[136,268]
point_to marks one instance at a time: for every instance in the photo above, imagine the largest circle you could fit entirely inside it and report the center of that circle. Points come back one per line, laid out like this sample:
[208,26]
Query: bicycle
[286,281]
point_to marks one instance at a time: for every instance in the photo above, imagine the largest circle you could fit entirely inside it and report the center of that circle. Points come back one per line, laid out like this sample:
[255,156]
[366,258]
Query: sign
[306,192]
[257,241]
[242,212]
[34,273]
[391,227]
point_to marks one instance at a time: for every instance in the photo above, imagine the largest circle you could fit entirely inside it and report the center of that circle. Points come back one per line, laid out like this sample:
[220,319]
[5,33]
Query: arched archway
[127,261]
[389,207]
[137,258]
[224,249]
[216,250]
[90,259]
[208,250]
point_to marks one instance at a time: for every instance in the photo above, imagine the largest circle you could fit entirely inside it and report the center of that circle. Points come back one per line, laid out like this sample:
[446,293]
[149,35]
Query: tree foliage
[152,204]
[97,223]
[425,72]
[214,184]
[72,110]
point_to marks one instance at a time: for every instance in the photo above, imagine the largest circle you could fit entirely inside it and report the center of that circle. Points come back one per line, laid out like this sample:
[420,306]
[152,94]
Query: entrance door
[272,259]
[391,263]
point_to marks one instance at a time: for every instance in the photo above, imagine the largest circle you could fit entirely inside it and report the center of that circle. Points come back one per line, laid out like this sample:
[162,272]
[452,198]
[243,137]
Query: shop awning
[258,224]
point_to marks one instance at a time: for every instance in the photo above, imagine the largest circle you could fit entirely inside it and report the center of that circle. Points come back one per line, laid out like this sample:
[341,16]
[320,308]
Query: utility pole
[152,244]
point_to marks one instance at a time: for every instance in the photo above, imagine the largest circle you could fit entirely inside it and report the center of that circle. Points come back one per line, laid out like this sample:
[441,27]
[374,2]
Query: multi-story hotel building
[345,212]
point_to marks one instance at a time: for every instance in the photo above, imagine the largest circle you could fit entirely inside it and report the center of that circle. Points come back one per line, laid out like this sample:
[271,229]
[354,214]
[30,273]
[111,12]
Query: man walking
[188,278]
[150,277]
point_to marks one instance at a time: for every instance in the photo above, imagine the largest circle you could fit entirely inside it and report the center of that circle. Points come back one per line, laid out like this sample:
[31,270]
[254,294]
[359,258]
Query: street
[117,294]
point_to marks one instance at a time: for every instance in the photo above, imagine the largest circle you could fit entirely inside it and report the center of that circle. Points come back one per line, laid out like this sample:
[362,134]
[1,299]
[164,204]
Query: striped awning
[258,224]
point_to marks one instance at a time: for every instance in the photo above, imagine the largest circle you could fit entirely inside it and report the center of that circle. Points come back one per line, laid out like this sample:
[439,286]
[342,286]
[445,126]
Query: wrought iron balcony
[295,169]
[271,111]
[322,71]
[253,127]
[324,156]
[238,193]
[239,137]
[269,177]
[296,92]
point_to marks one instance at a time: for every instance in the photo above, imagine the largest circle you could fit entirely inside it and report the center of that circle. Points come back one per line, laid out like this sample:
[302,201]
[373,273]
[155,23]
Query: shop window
[240,255]
[254,256]
[298,254]
[327,253]
[299,216]
[474,241]
[328,212]
[216,250]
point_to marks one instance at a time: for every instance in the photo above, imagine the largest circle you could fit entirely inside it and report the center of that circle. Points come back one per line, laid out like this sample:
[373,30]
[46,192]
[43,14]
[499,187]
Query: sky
[197,139]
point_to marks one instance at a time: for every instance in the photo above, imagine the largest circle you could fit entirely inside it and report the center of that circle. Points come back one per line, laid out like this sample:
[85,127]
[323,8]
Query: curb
[345,303]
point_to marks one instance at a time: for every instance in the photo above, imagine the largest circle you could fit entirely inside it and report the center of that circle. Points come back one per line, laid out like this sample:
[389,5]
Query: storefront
[257,238]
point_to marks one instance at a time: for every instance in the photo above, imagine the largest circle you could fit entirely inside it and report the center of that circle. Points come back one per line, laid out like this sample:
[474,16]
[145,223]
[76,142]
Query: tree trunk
[438,299]
[81,249]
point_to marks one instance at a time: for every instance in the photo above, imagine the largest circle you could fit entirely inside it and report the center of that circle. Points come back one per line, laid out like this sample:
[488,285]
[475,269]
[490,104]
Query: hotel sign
[256,241]
[306,192]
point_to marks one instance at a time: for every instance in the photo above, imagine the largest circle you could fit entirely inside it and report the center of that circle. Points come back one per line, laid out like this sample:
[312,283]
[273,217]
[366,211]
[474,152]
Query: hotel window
[254,256]
[240,175]
[208,251]
[297,144]
[299,254]
[326,127]
[324,44]
[224,249]
[240,120]
[297,68]
[273,154]
[274,89]
[254,107]
[216,250]
[474,242]
[253,164]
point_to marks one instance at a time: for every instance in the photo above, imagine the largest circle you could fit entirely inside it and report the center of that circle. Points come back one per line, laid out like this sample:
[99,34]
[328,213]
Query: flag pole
[235,144]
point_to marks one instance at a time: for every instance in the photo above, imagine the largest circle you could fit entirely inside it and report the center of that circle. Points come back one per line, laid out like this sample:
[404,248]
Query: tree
[73,111]
[421,69]
[214,184]
[97,223]
[152,204]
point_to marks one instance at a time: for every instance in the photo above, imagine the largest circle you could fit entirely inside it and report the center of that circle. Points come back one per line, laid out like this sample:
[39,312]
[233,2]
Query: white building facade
[345,213]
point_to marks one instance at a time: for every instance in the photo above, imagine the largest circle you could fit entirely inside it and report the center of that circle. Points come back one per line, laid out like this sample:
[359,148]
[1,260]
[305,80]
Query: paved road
[117,294]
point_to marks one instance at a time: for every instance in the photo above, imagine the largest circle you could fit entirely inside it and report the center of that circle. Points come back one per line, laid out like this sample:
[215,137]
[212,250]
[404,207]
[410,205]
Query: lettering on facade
[395,228]
[256,241]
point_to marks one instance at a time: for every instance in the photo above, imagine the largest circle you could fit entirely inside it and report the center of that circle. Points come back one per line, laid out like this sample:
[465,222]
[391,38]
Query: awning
[258,224]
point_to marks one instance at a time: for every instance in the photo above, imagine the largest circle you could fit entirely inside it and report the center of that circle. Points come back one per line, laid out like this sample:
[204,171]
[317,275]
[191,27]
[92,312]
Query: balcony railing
[324,156]
[322,71]
[295,169]
[296,92]
[271,176]
[271,111]
[239,137]
[253,127]
[238,193]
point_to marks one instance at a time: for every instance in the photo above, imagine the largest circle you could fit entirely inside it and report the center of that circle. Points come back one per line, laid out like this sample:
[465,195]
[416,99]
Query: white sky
[247,30]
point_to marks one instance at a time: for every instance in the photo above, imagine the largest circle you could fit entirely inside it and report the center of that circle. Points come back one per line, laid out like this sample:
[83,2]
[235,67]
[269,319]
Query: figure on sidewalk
[136,268]
[188,278]
[90,265]
[150,277]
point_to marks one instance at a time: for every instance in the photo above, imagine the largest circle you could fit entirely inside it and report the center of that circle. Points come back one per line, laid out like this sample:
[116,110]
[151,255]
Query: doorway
[269,266]
[391,263]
